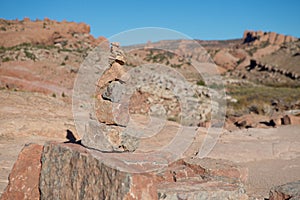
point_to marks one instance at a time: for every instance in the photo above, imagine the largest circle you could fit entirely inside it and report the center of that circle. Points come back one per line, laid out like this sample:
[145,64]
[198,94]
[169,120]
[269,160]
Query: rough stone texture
[222,169]
[114,92]
[70,171]
[108,138]
[212,190]
[165,89]
[289,191]
[108,133]
[116,71]
[111,113]
[24,177]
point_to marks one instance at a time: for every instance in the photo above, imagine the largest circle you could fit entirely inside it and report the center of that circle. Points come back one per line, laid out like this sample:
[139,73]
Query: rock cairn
[106,133]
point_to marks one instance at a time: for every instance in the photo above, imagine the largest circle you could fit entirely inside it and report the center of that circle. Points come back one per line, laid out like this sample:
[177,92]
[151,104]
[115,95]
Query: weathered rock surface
[212,190]
[111,113]
[289,191]
[108,138]
[107,133]
[70,171]
[25,175]
[115,72]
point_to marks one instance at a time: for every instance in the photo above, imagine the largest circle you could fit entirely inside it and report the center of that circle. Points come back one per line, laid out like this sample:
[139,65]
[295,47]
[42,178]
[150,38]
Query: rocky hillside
[260,37]
[46,32]
[43,55]
[233,57]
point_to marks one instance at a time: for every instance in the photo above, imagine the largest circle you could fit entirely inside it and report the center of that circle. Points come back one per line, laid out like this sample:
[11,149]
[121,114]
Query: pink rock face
[259,38]
[42,31]
[280,39]
[24,177]
[272,37]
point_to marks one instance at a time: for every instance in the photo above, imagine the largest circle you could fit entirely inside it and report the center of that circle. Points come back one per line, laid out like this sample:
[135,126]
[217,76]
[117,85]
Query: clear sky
[205,20]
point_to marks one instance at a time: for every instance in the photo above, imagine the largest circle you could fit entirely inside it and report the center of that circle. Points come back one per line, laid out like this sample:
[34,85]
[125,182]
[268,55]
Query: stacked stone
[106,133]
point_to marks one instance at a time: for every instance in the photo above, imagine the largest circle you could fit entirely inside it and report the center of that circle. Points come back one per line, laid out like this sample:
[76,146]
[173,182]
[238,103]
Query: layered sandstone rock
[260,37]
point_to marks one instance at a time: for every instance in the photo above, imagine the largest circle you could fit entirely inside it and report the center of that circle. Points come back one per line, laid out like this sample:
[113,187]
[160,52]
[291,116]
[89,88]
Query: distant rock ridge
[46,32]
[255,64]
[260,37]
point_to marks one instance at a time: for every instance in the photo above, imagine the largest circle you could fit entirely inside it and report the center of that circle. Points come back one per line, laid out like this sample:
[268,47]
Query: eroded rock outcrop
[46,32]
[273,69]
[260,37]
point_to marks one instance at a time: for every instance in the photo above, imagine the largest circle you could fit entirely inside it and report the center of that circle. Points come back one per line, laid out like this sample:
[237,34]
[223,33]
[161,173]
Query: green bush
[30,55]
[6,59]
[201,82]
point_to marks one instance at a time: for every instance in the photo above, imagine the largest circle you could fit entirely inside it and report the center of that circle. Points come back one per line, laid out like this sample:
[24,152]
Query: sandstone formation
[259,66]
[289,191]
[46,32]
[43,55]
[260,37]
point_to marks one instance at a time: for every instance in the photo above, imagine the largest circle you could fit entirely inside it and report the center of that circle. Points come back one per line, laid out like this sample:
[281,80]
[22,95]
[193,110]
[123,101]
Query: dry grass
[261,99]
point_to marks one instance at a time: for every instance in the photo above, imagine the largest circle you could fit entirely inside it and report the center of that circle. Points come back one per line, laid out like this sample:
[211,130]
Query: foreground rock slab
[25,175]
[70,171]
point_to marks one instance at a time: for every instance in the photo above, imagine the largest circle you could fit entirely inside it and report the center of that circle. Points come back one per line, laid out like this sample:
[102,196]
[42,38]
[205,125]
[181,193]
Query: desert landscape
[44,156]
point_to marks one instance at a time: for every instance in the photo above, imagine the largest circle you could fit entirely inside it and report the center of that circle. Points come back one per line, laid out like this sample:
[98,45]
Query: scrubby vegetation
[260,99]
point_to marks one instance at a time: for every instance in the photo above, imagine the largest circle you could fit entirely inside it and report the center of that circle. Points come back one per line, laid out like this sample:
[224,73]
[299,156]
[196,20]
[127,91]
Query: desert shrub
[257,98]
[6,59]
[30,55]
[201,82]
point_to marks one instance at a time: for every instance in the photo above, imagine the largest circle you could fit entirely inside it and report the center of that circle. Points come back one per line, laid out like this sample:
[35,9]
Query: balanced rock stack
[106,133]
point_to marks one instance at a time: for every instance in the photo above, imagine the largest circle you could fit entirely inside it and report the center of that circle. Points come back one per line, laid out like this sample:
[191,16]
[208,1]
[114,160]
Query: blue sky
[206,20]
